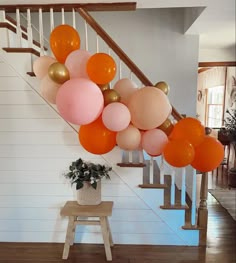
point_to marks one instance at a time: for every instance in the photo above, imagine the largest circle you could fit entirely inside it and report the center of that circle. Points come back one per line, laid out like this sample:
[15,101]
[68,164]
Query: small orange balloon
[101,68]
[63,40]
[208,155]
[188,129]
[96,138]
[179,153]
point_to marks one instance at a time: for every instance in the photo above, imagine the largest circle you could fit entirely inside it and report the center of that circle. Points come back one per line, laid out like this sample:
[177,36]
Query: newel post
[203,211]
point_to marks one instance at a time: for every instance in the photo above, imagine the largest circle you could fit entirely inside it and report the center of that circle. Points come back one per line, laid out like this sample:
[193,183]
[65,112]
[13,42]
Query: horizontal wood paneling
[95,238]
[13,83]
[21,97]
[60,189]
[27,112]
[50,226]
[6,70]
[54,214]
[35,177]
[49,125]
[38,138]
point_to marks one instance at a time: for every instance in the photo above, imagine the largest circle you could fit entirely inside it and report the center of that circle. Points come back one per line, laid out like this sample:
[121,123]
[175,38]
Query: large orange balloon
[96,138]
[208,155]
[188,129]
[101,68]
[178,153]
[63,40]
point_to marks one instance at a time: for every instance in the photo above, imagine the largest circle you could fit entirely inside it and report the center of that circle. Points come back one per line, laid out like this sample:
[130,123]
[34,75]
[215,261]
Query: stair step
[174,207]
[191,227]
[158,186]
[31,74]
[131,164]
[21,50]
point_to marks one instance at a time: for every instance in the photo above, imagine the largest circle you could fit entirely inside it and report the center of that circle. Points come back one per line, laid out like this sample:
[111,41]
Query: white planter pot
[87,195]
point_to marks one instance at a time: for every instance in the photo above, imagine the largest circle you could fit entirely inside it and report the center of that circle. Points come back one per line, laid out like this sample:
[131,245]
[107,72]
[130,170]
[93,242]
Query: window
[215,106]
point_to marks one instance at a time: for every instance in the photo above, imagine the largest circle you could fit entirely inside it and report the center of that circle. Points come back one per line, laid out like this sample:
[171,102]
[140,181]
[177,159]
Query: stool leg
[109,231]
[73,232]
[69,234]
[105,235]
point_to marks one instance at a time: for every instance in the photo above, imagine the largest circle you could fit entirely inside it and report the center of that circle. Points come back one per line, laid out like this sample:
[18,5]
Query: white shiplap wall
[36,146]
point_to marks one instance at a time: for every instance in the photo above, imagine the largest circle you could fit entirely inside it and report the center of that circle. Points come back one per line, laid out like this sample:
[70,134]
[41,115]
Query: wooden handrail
[128,6]
[120,53]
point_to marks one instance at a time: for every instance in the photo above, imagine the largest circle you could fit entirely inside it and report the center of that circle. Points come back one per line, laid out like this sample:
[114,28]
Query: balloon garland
[79,84]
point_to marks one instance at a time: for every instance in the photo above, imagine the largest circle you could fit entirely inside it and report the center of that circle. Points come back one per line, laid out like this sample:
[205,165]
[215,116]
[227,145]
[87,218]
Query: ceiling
[215,23]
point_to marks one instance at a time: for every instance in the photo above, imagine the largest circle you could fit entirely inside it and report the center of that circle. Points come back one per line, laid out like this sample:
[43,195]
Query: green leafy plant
[230,128]
[81,172]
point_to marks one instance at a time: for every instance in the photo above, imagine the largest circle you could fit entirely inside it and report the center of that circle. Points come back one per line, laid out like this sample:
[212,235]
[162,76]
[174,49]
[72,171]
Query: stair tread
[161,186]
[21,50]
[175,207]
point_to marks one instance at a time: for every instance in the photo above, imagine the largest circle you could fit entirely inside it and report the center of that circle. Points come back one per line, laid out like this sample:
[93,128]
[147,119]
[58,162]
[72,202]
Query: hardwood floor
[221,247]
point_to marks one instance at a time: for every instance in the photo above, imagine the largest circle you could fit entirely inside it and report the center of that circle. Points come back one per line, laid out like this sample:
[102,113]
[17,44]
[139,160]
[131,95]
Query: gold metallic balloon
[58,73]
[104,87]
[163,86]
[110,96]
[166,127]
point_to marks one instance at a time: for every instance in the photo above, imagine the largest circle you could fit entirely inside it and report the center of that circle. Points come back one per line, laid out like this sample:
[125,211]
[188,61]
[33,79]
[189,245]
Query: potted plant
[230,127]
[87,178]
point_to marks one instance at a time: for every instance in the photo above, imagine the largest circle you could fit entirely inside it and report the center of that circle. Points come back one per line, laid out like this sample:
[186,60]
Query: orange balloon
[101,68]
[189,129]
[208,155]
[63,40]
[178,153]
[96,138]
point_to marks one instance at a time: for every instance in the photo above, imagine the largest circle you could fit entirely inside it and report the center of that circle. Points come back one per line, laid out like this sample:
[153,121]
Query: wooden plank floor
[221,248]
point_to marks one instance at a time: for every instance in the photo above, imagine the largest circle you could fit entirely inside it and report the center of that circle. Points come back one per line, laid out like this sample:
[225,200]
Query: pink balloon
[154,141]
[41,65]
[125,87]
[76,63]
[129,139]
[49,89]
[80,101]
[116,116]
[149,108]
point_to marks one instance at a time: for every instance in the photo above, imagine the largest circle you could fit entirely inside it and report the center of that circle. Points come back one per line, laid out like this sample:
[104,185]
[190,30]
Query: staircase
[151,206]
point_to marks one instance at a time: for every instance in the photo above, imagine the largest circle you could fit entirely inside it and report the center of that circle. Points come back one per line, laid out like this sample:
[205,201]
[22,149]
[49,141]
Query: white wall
[217,54]
[154,40]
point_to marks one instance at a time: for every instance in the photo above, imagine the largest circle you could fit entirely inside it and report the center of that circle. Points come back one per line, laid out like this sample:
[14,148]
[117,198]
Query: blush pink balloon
[80,101]
[41,65]
[49,89]
[116,116]
[125,87]
[149,108]
[154,141]
[129,139]
[76,63]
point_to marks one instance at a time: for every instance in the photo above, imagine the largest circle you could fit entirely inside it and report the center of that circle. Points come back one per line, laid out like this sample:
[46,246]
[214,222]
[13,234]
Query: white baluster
[51,19]
[2,16]
[62,16]
[172,191]
[120,68]
[97,43]
[29,29]
[73,18]
[18,28]
[41,39]
[131,75]
[109,51]
[194,197]
[141,159]
[162,168]
[151,170]
[183,188]
[130,156]
[86,35]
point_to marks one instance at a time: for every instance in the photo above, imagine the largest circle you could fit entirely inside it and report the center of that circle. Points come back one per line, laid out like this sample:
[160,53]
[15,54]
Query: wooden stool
[73,210]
